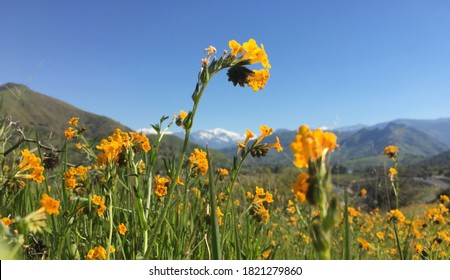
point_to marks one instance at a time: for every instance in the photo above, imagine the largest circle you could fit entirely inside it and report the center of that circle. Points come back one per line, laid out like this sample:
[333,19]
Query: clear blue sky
[334,63]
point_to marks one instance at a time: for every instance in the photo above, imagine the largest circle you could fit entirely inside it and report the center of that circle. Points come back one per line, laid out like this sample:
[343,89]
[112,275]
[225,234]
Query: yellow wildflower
[223,172]
[198,161]
[291,209]
[30,161]
[300,187]
[180,182]
[249,195]
[419,248]
[363,192]
[248,135]
[160,186]
[141,167]
[74,121]
[99,253]
[235,47]
[7,221]
[140,142]
[180,118]
[444,199]
[220,216]
[183,114]
[265,131]
[51,205]
[261,200]
[69,132]
[391,151]
[98,200]
[392,173]
[101,210]
[266,254]
[396,216]
[365,245]
[353,212]
[380,235]
[258,79]
[122,229]
[311,145]
[276,145]
[255,53]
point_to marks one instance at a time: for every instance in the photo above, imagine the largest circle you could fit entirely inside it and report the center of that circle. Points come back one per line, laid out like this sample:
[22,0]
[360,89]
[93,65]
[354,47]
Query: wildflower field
[124,201]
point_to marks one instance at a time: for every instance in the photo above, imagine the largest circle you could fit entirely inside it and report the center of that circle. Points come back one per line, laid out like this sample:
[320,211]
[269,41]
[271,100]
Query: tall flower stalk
[395,215]
[314,185]
[235,61]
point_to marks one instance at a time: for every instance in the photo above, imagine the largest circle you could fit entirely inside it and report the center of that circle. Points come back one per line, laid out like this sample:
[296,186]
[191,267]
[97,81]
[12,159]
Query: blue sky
[334,63]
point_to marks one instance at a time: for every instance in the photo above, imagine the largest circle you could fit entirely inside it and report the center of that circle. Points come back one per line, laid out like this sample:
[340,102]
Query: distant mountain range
[217,138]
[359,145]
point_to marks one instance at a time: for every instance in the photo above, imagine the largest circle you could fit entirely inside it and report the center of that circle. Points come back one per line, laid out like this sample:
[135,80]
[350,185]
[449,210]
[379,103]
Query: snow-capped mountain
[215,138]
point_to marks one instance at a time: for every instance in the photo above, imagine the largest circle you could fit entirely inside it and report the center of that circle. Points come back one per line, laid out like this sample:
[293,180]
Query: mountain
[215,138]
[441,160]
[363,147]
[38,112]
[438,128]
[371,142]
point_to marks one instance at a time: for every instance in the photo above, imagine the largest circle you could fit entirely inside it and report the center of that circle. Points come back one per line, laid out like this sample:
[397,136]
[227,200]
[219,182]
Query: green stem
[163,213]
[216,242]
[397,240]
[346,228]
[110,214]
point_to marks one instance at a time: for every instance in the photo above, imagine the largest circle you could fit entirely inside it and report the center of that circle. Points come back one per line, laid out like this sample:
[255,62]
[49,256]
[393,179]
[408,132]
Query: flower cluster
[100,202]
[436,215]
[160,186]
[116,143]
[250,53]
[30,162]
[392,173]
[99,253]
[391,151]
[300,187]
[73,131]
[198,162]
[122,229]
[364,244]
[311,145]
[50,204]
[7,221]
[396,216]
[261,200]
[259,149]
[76,177]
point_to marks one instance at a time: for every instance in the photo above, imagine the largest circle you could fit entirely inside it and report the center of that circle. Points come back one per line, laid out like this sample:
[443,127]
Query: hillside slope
[38,112]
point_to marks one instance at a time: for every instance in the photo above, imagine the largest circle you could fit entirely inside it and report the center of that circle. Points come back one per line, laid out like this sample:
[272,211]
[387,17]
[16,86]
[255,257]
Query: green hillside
[37,112]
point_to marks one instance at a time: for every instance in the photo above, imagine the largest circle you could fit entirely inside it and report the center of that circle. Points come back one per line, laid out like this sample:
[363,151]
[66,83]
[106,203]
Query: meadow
[124,201]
